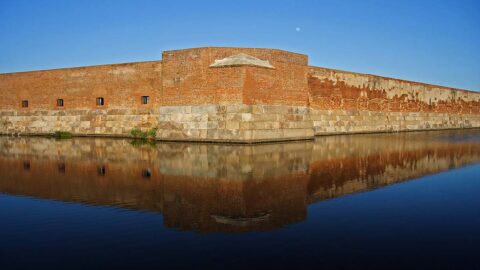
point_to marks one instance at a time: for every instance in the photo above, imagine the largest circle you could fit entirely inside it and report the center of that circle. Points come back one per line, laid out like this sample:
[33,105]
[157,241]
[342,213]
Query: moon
[297,29]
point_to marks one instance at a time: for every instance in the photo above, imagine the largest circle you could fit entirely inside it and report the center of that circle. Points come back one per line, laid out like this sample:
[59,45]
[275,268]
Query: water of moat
[377,201]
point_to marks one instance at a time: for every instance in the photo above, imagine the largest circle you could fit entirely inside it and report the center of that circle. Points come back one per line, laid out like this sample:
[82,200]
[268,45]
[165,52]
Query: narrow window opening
[100,101]
[26,165]
[60,102]
[24,103]
[145,99]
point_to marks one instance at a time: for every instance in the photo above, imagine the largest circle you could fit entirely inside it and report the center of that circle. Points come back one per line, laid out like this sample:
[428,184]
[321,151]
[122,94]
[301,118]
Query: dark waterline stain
[339,202]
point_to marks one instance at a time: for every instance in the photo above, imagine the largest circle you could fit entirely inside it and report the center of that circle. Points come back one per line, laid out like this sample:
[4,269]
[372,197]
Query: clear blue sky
[432,41]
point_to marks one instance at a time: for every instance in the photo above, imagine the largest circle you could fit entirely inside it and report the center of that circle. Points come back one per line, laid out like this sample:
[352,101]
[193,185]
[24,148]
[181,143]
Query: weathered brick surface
[333,89]
[191,100]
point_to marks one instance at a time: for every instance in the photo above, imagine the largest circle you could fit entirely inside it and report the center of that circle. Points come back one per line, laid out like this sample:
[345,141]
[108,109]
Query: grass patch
[143,135]
[138,143]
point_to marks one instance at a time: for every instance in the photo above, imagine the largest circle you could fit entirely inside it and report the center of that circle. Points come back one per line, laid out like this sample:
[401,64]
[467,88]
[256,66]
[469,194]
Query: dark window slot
[100,101]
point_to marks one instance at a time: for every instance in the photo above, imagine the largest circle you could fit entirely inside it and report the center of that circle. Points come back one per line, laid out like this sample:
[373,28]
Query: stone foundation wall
[327,122]
[234,123]
[230,123]
[112,122]
[227,123]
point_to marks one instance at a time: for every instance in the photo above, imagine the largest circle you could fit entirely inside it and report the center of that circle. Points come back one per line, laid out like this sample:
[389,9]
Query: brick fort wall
[226,94]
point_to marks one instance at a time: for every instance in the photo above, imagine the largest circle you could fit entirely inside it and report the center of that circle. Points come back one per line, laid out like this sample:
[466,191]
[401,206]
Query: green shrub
[138,143]
[62,135]
[152,134]
[138,134]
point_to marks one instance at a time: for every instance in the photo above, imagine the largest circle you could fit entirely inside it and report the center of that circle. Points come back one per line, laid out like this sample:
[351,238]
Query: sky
[432,41]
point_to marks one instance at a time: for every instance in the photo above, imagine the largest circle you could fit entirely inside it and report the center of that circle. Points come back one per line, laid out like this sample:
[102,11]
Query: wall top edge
[266,49]
[80,67]
[226,47]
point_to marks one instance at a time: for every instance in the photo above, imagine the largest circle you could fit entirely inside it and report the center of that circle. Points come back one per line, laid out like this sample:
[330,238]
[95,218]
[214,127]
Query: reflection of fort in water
[229,188]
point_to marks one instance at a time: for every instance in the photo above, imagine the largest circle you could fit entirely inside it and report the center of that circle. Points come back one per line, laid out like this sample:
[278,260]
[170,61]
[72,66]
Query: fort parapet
[226,94]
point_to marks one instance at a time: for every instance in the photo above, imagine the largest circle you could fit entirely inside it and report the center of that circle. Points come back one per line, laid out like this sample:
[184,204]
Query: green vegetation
[138,134]
[152,133]
[138,143]
[62,135]
[143,138]
[142,135]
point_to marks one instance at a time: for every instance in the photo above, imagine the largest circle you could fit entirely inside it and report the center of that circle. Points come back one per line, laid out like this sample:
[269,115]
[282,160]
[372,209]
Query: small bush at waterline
[138,134]
[62,135]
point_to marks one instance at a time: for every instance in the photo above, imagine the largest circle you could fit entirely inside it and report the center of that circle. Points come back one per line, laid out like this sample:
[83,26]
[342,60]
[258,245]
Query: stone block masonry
[235,123]
[226,94]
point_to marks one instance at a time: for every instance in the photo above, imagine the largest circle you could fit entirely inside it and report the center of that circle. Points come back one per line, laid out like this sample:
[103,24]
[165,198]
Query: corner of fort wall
[249,95]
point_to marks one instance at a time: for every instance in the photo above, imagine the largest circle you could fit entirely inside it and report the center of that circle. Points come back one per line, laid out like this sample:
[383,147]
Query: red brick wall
[285,85]
[334,89]
[121,85]
[188,79]
[184,77]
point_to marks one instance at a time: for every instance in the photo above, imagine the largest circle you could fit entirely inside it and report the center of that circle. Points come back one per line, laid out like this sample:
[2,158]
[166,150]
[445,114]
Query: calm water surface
[391,201]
